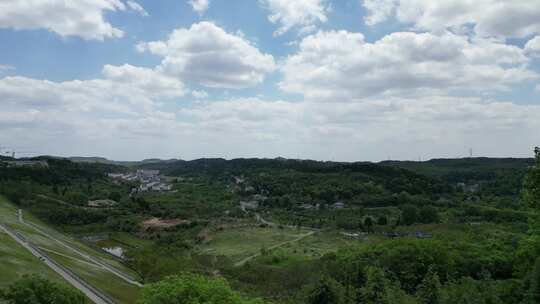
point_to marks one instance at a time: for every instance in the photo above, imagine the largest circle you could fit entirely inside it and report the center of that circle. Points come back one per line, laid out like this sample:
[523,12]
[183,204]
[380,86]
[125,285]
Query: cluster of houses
[149,180]
[253,203]
[468,188]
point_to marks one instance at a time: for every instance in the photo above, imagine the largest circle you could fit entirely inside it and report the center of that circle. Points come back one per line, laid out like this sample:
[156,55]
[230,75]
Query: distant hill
[80,159]
[502,175]
[434,167]
[442,167]
[158,160]
[295,171]
[102,160]
[241,165]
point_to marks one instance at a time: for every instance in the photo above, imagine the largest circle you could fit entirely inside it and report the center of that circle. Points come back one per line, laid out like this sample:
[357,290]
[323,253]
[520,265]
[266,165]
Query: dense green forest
[440,231]
[500,176]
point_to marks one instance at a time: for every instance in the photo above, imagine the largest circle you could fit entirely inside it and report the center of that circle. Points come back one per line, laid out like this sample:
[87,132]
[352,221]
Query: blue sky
[342,80]
[36,52]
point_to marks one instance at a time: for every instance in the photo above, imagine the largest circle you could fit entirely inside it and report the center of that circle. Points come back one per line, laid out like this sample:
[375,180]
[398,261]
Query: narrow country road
[242,262]
[260,219]
[71,278]
[105,266]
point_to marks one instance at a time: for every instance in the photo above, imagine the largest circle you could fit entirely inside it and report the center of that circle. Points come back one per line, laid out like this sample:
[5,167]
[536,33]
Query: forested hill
[242,165]
[59,171]
[289,172]
[501,175]
[102,160]
[239,166]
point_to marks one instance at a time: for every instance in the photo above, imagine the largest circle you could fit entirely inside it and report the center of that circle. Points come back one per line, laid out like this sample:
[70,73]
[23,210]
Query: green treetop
[531,188]
[531,193]
[192,289]
[429,290]
[37,290]
[325,291]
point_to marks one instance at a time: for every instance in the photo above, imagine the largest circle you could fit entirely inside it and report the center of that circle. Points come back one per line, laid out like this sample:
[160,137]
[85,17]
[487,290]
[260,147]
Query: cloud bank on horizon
[333,80]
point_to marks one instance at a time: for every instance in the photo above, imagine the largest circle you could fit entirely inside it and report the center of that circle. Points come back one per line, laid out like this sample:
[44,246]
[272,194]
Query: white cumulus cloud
[532,48]
[207,55]
[378,10]
[82,18]
[341,64]
[199,94]
[301,14]
[123,89]
[487,18]
[199,6]
[137,8]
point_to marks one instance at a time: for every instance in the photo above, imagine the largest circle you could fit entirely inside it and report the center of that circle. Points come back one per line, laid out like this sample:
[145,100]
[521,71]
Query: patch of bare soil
[162,224]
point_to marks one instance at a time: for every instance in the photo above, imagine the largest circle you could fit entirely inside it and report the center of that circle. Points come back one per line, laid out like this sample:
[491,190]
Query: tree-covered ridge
[59,171]
[307,181]
[499,176]
[59,192]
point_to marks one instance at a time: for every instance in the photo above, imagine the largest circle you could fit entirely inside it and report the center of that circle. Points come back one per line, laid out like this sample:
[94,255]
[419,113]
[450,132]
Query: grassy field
[16,261]
[311,247]
[119,290]
[239,243]
[46,242]
[321,243]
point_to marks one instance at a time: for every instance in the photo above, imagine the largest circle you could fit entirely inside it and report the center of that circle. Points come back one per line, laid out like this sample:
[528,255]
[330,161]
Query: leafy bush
[37,290]
[190,289]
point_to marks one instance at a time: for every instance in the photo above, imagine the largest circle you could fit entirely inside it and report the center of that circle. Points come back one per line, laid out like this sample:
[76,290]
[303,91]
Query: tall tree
[409,214]
[376,288]
[469,291]
[325,291]
[533,293]
[368,223]
[531,193]
[429,291]
[428,215]
[529,248]
[531,187]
